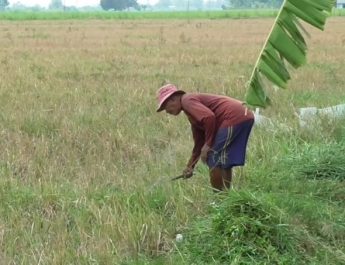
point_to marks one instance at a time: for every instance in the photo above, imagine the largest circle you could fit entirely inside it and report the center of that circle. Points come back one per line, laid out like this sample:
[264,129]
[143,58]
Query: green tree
[216,4]
[56,4]
[274,3]
[240,3]
[255,3]
[3,4]
[118,4]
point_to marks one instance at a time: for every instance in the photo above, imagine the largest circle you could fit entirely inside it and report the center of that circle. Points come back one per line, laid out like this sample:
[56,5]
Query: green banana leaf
[285,44]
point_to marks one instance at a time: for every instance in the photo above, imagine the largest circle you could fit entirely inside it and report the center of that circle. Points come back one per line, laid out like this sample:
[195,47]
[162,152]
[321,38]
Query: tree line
[255,3]
[195,4]
[172,4]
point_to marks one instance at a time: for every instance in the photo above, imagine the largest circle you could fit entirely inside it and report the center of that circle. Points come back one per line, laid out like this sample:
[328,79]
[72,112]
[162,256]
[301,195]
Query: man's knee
[220,178]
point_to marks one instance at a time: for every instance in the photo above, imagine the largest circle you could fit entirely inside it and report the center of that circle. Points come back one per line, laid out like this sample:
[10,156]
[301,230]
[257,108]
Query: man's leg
[220,178]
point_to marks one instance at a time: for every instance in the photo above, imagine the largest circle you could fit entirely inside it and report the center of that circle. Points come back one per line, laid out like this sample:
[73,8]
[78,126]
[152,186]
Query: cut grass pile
[241,228]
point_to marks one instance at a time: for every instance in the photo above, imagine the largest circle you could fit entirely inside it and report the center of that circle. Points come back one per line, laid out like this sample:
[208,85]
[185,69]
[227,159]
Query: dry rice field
[82,148]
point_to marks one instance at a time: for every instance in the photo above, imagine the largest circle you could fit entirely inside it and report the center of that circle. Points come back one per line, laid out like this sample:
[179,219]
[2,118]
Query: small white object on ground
[179,238]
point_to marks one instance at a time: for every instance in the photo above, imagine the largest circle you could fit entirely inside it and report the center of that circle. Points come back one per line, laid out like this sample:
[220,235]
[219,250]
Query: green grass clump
[322,161]
[242,229]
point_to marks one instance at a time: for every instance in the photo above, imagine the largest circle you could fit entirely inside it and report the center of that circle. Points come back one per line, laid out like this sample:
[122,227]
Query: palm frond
[285,43]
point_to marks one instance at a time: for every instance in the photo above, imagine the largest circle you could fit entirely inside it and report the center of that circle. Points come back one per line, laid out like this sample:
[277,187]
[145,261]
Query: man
[220,126]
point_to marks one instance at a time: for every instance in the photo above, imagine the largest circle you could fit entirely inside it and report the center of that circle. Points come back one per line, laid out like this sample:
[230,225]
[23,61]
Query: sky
[77,3]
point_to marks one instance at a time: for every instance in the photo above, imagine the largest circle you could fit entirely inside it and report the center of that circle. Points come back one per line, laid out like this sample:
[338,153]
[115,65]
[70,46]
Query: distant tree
[271,3]
[56,4]
[240,3]
[216,4]
[277,3]
[3,4]
[255,3]
[119,4]
[144,7]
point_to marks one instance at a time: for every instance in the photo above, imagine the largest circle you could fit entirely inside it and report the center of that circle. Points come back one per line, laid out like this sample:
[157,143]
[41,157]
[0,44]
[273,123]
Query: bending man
[220,125]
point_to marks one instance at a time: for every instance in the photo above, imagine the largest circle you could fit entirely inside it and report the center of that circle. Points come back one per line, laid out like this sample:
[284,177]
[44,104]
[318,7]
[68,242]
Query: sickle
[178,177]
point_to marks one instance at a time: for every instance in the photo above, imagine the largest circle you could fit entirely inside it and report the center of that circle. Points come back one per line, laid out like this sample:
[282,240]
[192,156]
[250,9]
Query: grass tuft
[322,161]
[242,228]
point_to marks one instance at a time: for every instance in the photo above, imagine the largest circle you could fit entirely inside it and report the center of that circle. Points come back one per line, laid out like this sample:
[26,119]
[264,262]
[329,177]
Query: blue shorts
[230,144]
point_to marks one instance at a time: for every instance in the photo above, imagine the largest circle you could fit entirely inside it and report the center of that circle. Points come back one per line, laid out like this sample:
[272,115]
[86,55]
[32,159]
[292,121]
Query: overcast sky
[77,3]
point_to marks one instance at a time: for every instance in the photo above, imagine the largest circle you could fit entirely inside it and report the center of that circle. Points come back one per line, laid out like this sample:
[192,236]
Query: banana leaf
[285,44]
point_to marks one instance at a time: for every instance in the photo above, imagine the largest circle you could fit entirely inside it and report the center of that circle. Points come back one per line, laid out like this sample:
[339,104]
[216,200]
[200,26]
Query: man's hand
[188,172]
[204,151]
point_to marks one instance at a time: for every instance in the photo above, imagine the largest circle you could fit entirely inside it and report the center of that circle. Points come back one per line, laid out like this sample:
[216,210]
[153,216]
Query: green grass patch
[323,161]
[242,228]
[232,14]
[39,127]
